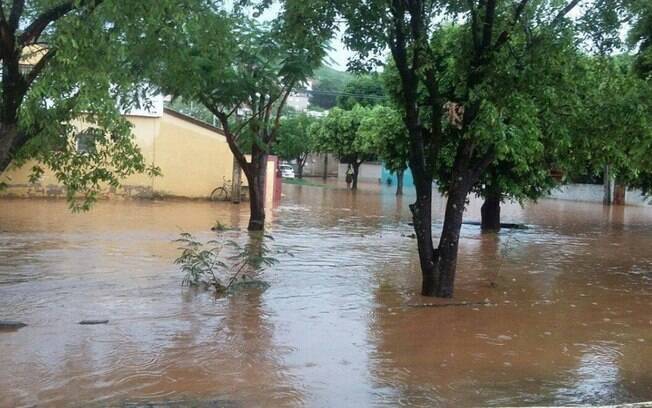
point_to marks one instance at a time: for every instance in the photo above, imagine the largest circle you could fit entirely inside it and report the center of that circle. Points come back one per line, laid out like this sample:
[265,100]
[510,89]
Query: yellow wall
[193,160]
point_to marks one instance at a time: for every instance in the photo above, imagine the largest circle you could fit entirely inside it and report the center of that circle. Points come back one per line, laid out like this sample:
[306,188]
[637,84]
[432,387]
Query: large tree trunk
[300,163]
[8,139]
[620,192]
[325,175]
[422,219]
[490,212]
[256,178]
[356,171]
[446,263]
[399,182]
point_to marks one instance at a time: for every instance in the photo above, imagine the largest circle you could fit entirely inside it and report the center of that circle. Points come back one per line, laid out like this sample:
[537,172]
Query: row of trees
[490,88]
[354,135]
[492,94]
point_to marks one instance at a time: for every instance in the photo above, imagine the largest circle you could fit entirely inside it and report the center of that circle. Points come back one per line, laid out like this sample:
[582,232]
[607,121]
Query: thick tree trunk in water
[256,179]
[620,191]
[490,213]
[399,182]
[325,175]
[300,164]
[449,241]
[422,220]
[356,170]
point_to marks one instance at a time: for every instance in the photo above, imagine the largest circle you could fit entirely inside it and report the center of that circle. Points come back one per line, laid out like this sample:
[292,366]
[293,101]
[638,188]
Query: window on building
[86,141]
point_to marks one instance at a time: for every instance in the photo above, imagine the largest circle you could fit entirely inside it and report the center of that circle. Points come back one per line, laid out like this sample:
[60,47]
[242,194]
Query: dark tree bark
[256,170]
[301,161]
[15,84]
[620,191]
[490,212]
[256,178]
[325,175]
[14,88]
[446,264]
[356,171]
[422,219]
[409,45]
[399,182]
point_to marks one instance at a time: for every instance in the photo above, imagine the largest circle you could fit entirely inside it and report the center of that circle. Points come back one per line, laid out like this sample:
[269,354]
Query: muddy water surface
[563,312]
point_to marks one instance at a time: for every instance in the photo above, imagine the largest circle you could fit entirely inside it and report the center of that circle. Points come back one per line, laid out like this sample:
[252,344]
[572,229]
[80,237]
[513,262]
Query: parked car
[286,171]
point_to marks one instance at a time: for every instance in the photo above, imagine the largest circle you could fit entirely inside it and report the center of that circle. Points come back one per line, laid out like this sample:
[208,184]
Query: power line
[338,93]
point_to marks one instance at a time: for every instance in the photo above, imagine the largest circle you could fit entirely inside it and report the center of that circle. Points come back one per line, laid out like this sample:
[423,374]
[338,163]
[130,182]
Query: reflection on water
[566,320]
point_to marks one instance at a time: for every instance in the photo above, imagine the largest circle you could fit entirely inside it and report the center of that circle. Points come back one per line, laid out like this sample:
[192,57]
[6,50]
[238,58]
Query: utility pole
[235,184]
[607,198]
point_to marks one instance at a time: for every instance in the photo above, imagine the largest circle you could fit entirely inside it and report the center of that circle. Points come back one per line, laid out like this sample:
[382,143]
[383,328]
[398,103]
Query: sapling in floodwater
[209,264]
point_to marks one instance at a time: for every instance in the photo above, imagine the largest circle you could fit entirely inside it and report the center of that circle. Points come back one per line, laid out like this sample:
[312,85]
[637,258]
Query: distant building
[300,100]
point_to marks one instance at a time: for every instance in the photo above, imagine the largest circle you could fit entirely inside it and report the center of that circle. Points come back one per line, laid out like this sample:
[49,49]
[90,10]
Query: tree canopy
[70,60]
[243,70]
[296,139]
[364,90]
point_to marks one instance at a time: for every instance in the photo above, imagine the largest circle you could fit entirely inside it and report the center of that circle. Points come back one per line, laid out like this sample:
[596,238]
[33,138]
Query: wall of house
[193,159]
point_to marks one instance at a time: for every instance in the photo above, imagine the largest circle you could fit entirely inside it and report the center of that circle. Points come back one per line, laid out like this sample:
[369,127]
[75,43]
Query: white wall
[636,197]
[579,192]
[595,193]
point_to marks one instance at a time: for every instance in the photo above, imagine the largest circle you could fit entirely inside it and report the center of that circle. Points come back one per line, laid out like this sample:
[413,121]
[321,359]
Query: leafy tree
[430,78]
[338,133]
[620,136]
[363,90]
[328,83]
[383,132]
[66,60]
[641,36]
[243,71]
[192,108]
[296,140]
[536,117]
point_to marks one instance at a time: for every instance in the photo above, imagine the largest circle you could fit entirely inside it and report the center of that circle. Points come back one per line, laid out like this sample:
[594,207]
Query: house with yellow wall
[193,156]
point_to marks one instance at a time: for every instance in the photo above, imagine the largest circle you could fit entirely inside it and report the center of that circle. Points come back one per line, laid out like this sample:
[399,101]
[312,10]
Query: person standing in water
[349,177]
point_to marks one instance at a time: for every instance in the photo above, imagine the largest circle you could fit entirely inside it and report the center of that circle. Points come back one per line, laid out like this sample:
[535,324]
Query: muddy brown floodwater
[568,322]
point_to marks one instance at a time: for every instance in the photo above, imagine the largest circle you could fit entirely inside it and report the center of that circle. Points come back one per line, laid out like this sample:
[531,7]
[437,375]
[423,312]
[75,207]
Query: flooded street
[563,313]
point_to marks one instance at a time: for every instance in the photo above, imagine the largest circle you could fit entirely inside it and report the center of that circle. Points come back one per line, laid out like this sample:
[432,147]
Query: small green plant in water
[223,265]
[219,227]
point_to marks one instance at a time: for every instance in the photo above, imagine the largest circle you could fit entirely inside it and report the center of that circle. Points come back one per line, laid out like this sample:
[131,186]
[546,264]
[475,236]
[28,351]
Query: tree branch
[34,30]
[277,120]
[16,13]
[504,36]
[474,24]
[2,11]
[482,164]
[562,13]
[230,140]
[40,65]
[488,24]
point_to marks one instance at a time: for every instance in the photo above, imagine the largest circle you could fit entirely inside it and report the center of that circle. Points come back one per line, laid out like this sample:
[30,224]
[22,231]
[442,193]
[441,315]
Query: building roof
[192,120]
